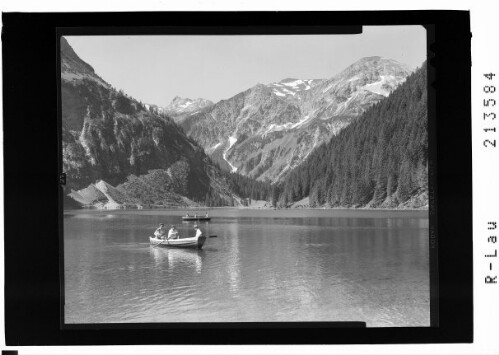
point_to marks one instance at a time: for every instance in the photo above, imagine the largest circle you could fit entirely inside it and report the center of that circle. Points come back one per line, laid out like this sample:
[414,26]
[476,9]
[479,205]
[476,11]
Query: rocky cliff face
[108,138]
[267,130]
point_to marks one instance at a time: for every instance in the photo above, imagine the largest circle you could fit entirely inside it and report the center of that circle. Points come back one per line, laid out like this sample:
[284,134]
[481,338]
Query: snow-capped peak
[181,105]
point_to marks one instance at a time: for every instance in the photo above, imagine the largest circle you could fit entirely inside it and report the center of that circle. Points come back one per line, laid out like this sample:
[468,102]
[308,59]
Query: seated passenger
[160,232]
[173,233]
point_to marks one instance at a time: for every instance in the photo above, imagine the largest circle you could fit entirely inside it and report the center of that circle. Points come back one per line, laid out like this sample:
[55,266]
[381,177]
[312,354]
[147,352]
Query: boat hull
[194,242]
[196,218]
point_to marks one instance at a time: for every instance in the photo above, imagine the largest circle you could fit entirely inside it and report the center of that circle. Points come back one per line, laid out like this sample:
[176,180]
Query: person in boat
[160,232]
[195,215]
[198,231]
[173,233]
[206,215]
[187,215]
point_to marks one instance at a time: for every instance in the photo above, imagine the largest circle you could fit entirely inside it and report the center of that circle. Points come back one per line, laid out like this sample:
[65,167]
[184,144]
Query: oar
[213,236]
[158,244]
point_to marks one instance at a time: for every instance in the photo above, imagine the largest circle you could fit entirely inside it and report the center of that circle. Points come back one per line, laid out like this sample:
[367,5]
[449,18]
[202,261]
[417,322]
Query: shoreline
[94,209]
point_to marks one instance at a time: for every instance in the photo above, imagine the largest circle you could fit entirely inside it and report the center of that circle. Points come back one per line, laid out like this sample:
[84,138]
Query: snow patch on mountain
[232,140]
[294,83]
[291,87]
[181,106]
[272,128]
[383,86]
[286,126]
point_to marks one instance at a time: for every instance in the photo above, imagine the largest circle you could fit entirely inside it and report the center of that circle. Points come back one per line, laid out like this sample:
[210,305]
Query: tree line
[247,187]
[379,160]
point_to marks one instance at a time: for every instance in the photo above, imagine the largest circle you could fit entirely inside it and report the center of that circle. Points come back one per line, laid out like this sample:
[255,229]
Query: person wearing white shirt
[173,233]
[198,231]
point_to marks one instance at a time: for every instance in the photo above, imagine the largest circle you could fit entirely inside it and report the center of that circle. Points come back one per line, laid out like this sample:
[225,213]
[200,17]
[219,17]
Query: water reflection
[189,259]
[233,267]
[263,266]
[173,258]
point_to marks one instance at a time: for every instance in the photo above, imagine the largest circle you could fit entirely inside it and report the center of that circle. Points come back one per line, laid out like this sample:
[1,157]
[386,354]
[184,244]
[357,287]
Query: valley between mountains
[357,139]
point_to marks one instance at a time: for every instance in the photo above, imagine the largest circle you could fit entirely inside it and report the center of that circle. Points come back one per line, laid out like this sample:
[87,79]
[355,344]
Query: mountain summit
[73,69]
[181,106]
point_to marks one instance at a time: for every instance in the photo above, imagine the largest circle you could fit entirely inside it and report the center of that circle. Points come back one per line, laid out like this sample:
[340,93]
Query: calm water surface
[265,265]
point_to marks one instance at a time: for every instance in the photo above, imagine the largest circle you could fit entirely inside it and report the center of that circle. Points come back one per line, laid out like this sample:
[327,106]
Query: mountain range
[119,152]
[268,130]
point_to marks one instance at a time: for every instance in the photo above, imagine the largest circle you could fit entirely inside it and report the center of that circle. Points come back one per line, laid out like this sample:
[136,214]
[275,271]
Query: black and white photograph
[246,178]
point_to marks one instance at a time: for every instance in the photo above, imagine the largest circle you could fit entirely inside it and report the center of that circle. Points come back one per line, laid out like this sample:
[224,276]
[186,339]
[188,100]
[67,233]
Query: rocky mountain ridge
[289,87]
[182,106]
[112,143]
[267,130]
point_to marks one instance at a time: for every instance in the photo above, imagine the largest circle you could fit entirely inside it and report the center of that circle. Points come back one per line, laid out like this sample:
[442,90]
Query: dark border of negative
[34,261]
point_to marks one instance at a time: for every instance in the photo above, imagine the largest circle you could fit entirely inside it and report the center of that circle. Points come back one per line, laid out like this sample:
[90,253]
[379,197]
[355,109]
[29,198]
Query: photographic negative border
[33,270]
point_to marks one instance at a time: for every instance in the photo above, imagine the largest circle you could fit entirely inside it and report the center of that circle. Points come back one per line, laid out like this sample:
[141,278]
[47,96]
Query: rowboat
[192,218]
[194,242]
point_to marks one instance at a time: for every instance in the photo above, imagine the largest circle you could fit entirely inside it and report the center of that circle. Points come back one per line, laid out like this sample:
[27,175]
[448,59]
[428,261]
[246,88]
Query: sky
[155,69]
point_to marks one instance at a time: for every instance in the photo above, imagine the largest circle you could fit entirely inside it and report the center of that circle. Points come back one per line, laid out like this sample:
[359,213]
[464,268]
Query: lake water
[264,265]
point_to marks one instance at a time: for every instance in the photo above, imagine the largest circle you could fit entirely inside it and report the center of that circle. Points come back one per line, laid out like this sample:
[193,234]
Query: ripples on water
[308,265]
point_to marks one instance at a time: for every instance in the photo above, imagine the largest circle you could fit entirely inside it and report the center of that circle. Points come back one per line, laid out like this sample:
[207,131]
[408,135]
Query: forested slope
[380,160]
[116,152]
